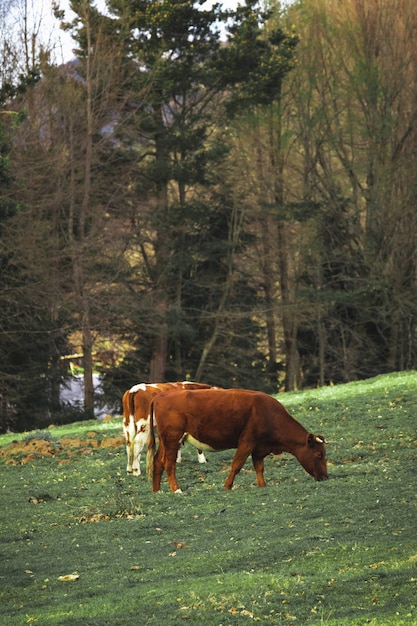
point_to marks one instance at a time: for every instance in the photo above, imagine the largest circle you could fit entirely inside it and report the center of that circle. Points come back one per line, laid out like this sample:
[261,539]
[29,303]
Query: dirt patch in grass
[33,448]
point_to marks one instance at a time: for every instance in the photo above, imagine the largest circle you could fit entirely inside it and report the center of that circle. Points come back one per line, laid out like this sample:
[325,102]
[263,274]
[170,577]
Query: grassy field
[83,543]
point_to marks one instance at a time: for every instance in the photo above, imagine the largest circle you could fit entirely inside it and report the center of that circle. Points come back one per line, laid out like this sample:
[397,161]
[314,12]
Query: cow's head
[313,456]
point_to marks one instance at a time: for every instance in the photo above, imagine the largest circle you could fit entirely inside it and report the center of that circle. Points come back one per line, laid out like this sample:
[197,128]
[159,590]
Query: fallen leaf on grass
[69,577]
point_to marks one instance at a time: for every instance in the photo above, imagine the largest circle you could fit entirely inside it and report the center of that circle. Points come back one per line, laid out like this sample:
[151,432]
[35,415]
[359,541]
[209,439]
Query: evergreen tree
[27,338]
[190,82]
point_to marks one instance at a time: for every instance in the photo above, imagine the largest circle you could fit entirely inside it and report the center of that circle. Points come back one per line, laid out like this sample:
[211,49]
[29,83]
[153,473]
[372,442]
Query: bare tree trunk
[77,236]
[286,264]
[269,284]
[289,311]
[321,332]
[269,177]
[213,337]
[160,343]
[233,237]
[86,324]
[87,346]
[160,340]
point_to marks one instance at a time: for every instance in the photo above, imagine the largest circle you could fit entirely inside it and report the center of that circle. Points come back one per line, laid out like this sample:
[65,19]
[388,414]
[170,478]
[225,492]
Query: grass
[341,552]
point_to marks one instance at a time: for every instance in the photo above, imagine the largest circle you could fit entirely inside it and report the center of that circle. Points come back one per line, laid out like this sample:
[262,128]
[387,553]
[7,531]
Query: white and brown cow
[136,421]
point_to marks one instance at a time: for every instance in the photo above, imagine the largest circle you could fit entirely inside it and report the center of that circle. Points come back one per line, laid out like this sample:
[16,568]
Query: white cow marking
[136,388]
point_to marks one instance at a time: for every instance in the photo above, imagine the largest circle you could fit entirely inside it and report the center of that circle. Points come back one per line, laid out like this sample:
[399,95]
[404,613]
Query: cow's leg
[129,453]
[137,449]
[258,464]
[238,462]
[171,453]
[200,456]
[172,445]
[141,438]
[158,468]
[129,431]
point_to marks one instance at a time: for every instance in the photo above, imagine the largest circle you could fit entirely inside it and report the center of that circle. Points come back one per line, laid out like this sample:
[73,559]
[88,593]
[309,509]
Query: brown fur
[250,421]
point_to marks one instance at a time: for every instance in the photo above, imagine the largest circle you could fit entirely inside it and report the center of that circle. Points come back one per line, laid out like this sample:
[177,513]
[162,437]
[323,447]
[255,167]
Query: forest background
[221,195]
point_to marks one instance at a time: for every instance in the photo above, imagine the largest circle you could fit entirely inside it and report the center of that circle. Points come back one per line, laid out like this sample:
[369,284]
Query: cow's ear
[313,439]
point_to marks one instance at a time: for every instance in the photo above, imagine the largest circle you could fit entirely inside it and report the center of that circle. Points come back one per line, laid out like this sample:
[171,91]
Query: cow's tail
[151,445]
[131,402]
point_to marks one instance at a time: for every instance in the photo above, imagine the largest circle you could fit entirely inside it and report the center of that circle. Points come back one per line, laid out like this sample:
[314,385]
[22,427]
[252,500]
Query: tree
[23,353]
[64,283]
[174,48]
[91,101]
[355,128]
[190,81]
[33,324]
[260,132]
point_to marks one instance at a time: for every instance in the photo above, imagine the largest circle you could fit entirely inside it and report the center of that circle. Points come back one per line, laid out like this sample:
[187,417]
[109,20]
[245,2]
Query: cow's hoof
[178,490]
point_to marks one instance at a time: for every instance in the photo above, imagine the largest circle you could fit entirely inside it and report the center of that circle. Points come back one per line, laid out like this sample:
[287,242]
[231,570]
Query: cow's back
[215,417]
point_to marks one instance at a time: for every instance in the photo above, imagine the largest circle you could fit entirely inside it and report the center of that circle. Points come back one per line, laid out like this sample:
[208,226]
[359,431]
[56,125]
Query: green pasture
[83,543]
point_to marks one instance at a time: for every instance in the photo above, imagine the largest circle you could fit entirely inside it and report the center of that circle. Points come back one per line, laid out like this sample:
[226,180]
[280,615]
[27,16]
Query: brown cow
[220,419]
[136,423]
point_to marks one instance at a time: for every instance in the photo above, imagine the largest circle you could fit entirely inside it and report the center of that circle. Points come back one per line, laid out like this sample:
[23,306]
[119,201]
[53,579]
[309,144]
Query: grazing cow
[219,419]
[136,423]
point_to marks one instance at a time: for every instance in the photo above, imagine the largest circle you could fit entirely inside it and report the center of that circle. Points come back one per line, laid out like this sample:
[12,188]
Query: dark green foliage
[30,369]
[28,343]
[187,79]
[200,254]
[256,61]
[16,86]
[338,553]
[354,307]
